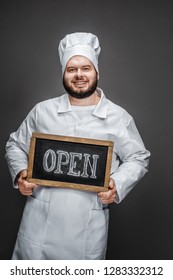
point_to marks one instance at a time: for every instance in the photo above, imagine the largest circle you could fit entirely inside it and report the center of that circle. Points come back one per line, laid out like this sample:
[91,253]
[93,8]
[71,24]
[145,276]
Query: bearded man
[61,223]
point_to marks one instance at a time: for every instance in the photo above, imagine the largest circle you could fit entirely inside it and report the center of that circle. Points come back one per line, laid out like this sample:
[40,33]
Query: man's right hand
[25,188]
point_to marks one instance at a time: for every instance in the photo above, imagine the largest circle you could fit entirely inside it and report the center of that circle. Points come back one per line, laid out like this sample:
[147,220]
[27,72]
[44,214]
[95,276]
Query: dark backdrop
[135,72]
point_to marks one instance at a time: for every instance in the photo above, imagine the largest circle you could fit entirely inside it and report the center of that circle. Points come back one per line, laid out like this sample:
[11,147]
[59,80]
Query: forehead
[78,60]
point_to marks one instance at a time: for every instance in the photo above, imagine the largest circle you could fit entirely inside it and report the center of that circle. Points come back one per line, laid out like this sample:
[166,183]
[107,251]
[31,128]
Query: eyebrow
[72,66]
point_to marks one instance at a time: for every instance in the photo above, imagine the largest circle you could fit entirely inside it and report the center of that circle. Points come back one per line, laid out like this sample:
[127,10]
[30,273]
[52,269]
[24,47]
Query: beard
[82,94]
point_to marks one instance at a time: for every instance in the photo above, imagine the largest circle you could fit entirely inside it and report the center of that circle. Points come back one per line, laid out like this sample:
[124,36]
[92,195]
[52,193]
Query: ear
[98,76]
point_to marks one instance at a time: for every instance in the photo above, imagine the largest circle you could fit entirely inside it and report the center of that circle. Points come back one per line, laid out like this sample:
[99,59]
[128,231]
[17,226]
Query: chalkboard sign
[70,162]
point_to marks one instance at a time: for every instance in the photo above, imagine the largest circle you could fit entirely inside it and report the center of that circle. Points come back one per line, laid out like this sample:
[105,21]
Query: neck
[91,100]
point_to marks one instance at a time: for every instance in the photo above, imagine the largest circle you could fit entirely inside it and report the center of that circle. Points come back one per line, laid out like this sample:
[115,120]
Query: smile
[81,83]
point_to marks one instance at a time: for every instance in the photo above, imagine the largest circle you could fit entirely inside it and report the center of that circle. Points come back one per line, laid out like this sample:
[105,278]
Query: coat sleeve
[133,156]
[17,147]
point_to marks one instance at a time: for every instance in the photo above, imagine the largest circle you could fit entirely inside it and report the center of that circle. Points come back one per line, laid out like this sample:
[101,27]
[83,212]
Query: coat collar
[100,110]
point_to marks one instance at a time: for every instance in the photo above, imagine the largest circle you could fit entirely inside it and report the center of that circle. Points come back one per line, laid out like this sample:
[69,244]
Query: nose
[79,73]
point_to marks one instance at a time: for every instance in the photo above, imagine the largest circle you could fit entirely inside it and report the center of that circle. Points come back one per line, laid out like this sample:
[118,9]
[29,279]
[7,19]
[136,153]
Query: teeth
[80,84]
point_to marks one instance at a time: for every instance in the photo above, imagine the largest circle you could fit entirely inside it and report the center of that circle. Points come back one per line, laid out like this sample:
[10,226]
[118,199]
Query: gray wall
[135,72]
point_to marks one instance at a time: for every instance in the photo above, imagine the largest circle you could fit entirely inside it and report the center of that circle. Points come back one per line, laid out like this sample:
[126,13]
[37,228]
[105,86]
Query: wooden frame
[100,152]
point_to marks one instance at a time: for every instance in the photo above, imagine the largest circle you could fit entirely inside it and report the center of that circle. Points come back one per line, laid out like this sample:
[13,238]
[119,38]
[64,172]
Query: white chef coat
[62,223]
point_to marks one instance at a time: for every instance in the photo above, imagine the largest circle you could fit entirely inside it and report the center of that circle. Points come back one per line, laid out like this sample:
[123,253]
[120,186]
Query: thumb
[23,174]
[111,183]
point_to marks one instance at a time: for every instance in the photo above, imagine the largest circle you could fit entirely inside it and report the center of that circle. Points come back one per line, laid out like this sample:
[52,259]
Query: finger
[23,177]
[25,192]
[110,197]
[26,188]
[23,174]
[108,194]
[112,188]
[30,185]
[111,183]
[107,201]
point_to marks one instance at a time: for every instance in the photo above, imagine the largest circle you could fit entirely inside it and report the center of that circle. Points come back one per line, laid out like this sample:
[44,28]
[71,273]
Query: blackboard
[70,162]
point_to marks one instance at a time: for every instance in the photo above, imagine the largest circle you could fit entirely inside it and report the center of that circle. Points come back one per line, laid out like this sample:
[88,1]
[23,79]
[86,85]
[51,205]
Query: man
[61,223]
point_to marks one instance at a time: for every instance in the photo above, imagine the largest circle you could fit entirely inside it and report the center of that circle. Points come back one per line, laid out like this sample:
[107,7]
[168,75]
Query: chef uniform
[61,223]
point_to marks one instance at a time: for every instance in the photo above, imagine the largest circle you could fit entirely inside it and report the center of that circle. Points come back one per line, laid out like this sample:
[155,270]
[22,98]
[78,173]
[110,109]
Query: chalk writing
[54,162]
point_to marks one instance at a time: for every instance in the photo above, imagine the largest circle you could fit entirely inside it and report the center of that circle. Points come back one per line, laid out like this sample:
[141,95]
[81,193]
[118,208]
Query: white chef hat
[79,43]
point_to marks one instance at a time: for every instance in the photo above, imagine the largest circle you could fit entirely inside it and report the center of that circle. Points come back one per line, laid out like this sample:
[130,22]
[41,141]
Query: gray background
[135,72]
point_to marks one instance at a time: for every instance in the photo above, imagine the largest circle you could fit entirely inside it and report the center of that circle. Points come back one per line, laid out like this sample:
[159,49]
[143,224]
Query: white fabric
[81,112]
[62,223]
[79,43]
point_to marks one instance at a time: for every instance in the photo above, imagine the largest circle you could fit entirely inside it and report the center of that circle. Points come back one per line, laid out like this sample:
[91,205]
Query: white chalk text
[78,164]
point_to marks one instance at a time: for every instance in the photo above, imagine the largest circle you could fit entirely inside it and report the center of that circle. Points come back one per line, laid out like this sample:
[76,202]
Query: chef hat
[79,43]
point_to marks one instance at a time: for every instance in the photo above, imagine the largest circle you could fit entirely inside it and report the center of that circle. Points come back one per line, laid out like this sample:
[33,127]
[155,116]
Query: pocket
[97,231]
[34,219]
[26,250]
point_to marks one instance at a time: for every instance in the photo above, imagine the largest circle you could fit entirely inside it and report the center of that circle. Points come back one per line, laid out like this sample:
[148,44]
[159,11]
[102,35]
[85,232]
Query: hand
[109,196]
[25,188]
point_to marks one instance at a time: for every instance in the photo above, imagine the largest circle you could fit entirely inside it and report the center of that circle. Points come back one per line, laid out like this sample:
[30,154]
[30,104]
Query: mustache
[79,79]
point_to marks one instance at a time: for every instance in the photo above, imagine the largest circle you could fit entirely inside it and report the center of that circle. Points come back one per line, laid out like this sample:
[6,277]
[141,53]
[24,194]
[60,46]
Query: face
[80,77]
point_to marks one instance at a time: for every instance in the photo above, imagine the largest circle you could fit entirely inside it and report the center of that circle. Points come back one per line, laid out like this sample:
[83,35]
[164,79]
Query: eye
[86,68]
[71,70]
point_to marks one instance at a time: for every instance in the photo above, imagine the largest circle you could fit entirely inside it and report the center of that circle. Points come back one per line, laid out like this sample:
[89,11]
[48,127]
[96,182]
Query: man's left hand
[109,196]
